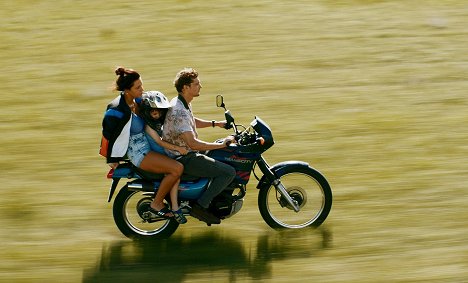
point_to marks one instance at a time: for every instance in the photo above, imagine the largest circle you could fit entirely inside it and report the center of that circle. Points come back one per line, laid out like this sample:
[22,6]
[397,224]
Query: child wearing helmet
[153,109]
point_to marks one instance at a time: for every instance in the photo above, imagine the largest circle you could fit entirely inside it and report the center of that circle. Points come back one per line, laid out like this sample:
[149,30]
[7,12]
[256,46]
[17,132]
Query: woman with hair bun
[123,133]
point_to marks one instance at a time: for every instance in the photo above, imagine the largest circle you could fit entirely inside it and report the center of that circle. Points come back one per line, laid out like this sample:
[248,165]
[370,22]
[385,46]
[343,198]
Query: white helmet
[155,99]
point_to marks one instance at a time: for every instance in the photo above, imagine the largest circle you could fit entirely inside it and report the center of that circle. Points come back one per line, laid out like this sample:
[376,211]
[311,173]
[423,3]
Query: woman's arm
[154,135]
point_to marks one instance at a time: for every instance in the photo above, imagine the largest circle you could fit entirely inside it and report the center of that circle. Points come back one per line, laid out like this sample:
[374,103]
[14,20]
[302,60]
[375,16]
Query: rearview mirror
[220,101]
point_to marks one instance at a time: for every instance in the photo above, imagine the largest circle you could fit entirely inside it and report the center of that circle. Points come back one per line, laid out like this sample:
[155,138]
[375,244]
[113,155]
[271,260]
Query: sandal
[179,216]
[161,213]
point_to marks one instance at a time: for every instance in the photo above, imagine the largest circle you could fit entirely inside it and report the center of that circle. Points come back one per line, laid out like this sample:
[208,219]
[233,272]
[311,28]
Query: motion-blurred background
[371,93]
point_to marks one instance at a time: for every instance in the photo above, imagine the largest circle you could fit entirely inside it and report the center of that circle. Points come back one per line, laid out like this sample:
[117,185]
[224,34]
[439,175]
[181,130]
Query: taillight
[110,174]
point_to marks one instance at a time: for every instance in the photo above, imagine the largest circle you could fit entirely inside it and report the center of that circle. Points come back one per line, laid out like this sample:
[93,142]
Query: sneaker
[203,214]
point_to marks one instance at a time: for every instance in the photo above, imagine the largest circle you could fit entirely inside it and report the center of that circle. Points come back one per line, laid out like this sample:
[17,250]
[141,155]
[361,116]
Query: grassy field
[371,93]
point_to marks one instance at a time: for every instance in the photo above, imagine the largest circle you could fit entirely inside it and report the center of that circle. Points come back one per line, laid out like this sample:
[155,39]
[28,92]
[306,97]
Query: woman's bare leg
[159,163]
[174,196]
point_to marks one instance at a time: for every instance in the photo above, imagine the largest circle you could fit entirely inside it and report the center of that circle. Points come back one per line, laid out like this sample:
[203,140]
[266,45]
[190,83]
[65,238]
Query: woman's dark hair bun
[120,71]
[126,78]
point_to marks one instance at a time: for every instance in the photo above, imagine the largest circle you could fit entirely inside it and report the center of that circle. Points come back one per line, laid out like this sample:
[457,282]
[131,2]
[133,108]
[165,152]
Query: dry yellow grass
[371,93]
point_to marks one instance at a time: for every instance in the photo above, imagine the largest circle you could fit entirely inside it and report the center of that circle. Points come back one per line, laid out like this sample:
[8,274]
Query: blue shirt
[138,125]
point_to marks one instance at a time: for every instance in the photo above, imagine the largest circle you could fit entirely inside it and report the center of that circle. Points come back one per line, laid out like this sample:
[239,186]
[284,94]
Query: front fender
[278,170]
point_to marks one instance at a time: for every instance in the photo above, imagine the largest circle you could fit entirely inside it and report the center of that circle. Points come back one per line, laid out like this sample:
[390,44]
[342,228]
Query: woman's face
[137,89]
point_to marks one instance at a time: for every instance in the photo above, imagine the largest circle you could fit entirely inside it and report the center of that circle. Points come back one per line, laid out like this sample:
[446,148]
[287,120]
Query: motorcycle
[292,194]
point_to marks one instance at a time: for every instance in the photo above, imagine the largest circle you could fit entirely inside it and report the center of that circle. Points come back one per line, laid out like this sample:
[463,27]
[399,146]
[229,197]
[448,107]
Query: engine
[226,204]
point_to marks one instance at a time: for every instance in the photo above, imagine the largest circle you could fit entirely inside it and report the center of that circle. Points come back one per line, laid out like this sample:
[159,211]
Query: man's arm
[199,145]
[201,123]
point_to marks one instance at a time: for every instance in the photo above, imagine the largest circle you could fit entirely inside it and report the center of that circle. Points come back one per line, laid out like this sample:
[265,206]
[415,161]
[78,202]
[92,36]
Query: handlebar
[227,126]
[258,133]
[246,138]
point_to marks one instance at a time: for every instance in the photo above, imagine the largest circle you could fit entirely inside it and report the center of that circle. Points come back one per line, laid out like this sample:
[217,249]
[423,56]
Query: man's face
[194,88]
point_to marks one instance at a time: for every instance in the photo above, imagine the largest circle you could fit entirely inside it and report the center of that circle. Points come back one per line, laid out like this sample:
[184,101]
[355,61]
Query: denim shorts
[138,148]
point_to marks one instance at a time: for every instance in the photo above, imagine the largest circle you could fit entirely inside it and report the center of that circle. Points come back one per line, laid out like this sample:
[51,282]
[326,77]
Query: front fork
[271,178]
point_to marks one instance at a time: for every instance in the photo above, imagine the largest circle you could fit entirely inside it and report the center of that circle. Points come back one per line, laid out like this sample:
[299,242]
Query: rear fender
[115,182]
[135,185]
[278,170]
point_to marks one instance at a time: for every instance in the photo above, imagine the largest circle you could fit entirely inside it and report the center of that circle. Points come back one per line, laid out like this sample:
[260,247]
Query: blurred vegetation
[371,93]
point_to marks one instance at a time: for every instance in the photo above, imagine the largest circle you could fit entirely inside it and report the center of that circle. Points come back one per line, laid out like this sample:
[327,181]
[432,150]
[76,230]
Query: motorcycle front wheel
[128,210]
[307,187]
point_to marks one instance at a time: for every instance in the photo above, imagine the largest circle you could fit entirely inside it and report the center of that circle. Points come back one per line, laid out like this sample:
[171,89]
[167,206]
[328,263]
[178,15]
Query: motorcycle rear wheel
[306,186]
[127,217]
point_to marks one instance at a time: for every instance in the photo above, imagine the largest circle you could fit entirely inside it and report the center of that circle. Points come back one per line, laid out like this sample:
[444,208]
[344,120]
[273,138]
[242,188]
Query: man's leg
[203,166]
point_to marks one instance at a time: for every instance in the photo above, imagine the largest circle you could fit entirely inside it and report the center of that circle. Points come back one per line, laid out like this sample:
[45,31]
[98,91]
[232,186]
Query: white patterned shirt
[179,119]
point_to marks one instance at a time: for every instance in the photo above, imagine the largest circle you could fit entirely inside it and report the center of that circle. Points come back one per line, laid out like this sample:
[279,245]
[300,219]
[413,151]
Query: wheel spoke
[130,208]
[133,211]
[311,193]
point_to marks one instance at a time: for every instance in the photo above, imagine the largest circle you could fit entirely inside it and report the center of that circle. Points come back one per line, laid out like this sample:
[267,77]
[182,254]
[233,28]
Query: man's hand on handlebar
[229,140]
[221,124]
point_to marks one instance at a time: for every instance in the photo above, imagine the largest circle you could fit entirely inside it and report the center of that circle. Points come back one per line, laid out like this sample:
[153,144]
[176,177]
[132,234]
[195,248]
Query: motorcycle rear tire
[127,220]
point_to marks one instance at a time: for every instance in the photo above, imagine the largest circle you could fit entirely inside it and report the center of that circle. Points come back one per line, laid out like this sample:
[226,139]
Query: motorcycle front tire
[306,186]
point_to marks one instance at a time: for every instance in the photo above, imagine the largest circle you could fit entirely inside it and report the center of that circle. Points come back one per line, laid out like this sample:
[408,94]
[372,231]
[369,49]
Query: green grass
[371,93]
